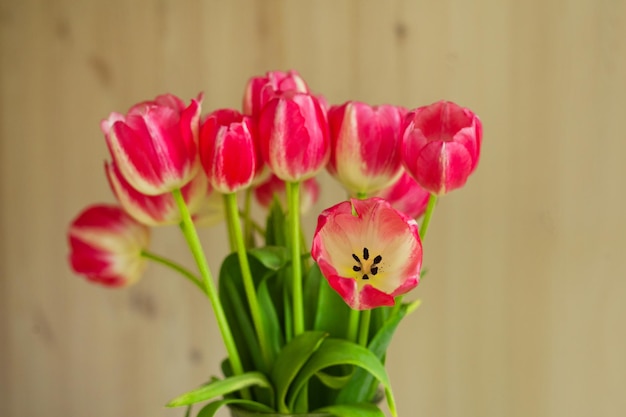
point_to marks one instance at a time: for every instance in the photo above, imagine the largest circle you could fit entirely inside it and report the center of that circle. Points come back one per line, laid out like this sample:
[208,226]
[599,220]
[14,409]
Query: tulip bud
[155,143]
[106,245]
[155,210]
[407,196]
[365,146]
[293,133]
[229,151]
[260,90]
[274,186]
[441,145]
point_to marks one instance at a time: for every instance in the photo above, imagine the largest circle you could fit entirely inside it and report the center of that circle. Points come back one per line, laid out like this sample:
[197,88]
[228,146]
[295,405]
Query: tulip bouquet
[304,330]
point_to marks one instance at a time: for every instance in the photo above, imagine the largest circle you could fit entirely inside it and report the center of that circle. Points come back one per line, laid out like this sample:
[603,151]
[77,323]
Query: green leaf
[335,381]
[210,409]
[342,352]
[332,312]
[275,230]
[271,257]
[221,387]
[360,388]
[231,295]
[241,326]
[351,410]
[290,360]
[270,319]
[311,288]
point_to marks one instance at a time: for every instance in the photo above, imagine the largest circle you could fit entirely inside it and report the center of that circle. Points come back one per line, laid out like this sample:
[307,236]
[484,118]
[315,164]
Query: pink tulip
[275,187]
[106,245]
[293,133]
[441,145]
[407,196]
[155,143]
[229,151]
[365,146]
[260,90]
[155,210]
[368,251]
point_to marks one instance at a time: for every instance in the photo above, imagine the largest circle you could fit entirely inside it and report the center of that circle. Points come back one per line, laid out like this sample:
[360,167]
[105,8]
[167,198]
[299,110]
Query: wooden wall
[523,309]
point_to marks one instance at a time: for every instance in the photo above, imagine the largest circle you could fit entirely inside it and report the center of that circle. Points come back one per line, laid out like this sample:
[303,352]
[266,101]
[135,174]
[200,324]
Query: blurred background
[523,308]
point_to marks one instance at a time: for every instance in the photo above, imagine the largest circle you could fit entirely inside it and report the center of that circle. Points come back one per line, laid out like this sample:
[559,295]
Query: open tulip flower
[155,143]
[368,251]
[365,146]
[106,245]
[441,145]
[155,210]
[284,320]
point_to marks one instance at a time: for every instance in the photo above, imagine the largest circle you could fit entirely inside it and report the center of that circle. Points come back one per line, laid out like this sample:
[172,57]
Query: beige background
[523,310]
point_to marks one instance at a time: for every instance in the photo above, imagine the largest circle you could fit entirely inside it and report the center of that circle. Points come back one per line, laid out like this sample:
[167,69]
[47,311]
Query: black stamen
[356,258]
[365,276]
[374,270]
[366,254]
[356,268]
[378,259]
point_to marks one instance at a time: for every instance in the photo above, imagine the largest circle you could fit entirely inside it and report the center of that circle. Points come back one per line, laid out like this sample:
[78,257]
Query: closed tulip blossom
[106,245]
[275,187]
[441,145]
[155,143]
[368,251]
[155,210]
[407,196]
[260,90]
[293,133]
[229,151]
[365,146]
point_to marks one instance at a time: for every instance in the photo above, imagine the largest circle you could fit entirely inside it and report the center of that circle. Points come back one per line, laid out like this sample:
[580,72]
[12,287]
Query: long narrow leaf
[210,409]
[342,352]
[332,312]
[351,410]
[221,387]
[335,381]
[360,387]
[290,360]
[271,257]
[311,288]
[270,319]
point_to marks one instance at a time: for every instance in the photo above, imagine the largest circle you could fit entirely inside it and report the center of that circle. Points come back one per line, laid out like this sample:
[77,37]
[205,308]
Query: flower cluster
[171,165]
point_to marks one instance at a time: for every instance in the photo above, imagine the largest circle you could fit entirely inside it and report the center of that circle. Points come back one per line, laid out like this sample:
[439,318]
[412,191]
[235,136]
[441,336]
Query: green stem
[353,325]
[293,199]
[231,236]
[176,267]
[364,327]
[430,208]
[232,216]
[191,236]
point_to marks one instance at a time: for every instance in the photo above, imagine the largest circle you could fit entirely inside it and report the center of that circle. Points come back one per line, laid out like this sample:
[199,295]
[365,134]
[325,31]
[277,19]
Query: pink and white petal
[370,297]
